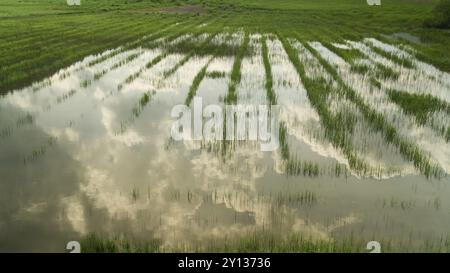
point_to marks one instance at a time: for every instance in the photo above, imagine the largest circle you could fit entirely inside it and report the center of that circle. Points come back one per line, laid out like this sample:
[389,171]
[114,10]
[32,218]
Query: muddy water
[87,161]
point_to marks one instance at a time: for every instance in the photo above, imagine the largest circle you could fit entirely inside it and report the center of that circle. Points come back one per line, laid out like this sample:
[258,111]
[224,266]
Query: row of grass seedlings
[383,157]
[432,72]
[215,71]
[128,82]
[101,91]
[247,240]
[128,59]
[231,97]
[417,144]
[73,34]
[173,89]
[40,150]
[250,89]
[423,97]
[158,40]
[359,62]
[61,74]
[300,128]
[270,239]
[136,110]
[14,120]
[320,90]
[212,50]
[171,60]
[108,54]
[420,80]
[426,109]
[27,48]
[196,47]
[153,45]
[105,84]
[235,76]
[153,36]
[181,40]
[155,39]
[56,91]
[135,86]
[299,199]
[214,87]
[161,54]
[29,67]
[430,98]
[53,93]
[390,52]
[201,86]
[430,112]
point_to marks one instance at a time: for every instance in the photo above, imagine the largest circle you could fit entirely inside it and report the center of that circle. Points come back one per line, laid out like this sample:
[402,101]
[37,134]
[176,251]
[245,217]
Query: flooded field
[364,152]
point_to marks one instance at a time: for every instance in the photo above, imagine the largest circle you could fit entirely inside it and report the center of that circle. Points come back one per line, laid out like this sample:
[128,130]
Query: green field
[87,154]
[40,37]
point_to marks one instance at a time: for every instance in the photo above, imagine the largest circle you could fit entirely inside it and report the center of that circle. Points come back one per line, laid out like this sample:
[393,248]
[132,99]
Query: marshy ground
[86,151]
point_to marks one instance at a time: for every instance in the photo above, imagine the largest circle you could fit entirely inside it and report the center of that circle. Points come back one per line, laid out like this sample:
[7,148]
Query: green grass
[235,77]
[216,74]
[258,241]
[192,52]
[338,127]
[351,55]
[421,107]
[196,82]
[440,17]
[271,97]
[379,123]
[418,105]
[148,65]
[396,59]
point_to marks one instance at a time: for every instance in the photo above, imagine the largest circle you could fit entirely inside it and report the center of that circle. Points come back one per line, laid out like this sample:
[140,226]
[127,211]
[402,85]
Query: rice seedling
[254,241]
[418,105]
[405,62]
[235,76]
[40,151]
[296,166]
[136,111]
[317,91]
[216,74]
[379,123]
[271,97]
[94,243]
[136,75]
[352,56]
[66,96]
[25,120]
[196,83]
[188,56]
